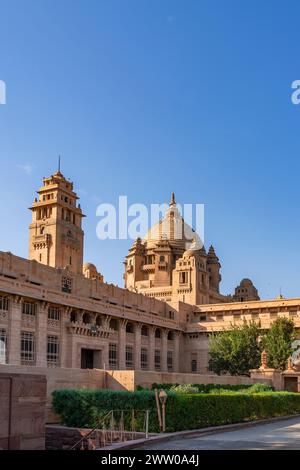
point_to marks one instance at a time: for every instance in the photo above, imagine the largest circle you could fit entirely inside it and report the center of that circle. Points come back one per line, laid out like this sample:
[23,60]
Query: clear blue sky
[145,97]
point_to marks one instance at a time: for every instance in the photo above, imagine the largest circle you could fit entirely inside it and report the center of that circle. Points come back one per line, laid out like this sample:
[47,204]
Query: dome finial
[172,202]
[58,172]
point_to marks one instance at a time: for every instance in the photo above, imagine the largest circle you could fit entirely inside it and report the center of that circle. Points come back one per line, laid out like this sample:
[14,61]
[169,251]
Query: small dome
[246,283]
[89,267]
[90,272]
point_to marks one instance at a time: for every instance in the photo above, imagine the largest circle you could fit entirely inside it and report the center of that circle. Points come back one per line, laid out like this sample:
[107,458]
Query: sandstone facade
[57,312]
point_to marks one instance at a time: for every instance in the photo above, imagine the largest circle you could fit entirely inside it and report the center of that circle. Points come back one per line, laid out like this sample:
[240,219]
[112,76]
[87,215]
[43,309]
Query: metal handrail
[111,415]
[91,431]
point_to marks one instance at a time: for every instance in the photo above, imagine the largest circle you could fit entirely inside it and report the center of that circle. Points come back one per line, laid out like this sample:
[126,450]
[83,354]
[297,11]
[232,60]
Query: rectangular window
[113,361]
[170,360]
[27,347]
[3,346]
[4,303]
[66,285]
[183,277]
[194,363]
[53,313]
[52,350]
[144,358]
[293,313]
[157,359]
[129,357]
[28,308]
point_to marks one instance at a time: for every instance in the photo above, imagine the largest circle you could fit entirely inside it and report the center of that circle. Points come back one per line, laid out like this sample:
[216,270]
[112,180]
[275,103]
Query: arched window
[86,318]
[162,258]
[170,336]
[42,230]
[157,333]
[194,365]
[73,316]
[144,330]
[129,328]
[98,320]
[113,324]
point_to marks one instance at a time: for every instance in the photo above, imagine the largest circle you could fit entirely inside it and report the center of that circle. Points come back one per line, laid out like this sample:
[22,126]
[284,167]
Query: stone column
[41,335]
[74,352]
[122,345]
[176,352]
[137,346]
[63,340]
[105,357]
[164,351]
[14,332]
[105,353]
[151,348]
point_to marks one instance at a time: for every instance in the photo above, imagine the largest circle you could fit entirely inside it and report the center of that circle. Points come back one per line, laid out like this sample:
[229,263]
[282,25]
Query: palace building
[56,311]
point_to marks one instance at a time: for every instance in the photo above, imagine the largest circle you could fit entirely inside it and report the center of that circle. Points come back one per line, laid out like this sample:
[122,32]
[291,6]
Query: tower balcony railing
[149,267]
[43,237]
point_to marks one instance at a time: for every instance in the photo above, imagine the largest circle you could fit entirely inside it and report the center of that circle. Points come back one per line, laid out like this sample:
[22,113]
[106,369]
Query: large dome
[173,228]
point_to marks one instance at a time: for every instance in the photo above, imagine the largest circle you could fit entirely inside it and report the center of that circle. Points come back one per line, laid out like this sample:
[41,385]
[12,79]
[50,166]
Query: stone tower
[214,267]
[245,291]
[55,233]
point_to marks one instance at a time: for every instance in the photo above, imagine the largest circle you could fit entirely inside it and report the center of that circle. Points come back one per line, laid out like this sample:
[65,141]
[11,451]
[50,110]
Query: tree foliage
[277,343]
[235,351]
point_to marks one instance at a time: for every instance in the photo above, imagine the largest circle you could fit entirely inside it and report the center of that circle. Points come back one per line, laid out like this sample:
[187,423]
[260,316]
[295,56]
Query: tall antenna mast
[59,163]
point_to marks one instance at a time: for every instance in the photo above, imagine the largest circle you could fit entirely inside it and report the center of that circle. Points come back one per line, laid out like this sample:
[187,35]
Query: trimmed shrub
[214,388]
[84,408]
[196,411]
[185,388]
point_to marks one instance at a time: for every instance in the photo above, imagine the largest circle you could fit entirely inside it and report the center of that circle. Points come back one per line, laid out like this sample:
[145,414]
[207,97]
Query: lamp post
[163,399]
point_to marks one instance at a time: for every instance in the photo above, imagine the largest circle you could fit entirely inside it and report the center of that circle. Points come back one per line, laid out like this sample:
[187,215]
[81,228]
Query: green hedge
[83,408]
[212,388]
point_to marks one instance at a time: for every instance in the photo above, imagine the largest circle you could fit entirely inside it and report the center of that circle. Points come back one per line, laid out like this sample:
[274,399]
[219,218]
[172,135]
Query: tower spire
[172,202]
[58,164]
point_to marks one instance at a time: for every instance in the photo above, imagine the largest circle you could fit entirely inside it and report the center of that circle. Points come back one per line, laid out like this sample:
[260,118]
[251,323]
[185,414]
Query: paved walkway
[283,434]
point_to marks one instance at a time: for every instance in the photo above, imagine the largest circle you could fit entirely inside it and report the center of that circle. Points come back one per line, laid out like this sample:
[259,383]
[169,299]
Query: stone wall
[60,379]
[64,438]
[22,411]
[129,380]
[97,379]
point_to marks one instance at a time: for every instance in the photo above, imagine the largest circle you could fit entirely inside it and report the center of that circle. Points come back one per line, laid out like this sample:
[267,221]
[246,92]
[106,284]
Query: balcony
[162,265]
[85,329]
[149,267]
